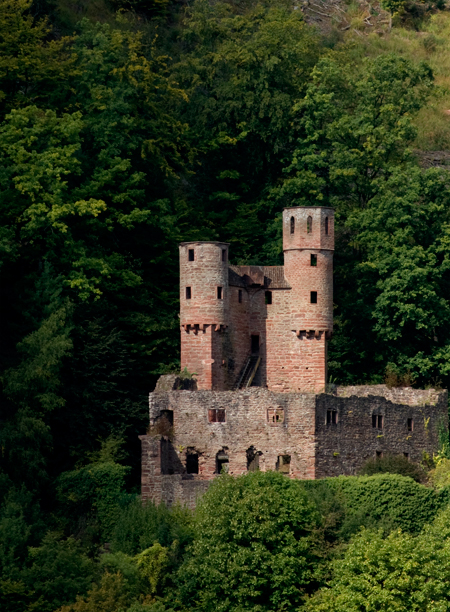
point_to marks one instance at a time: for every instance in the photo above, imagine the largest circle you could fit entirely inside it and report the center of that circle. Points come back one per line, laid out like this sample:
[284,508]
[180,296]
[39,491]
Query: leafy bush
[140,525]
[382,501]
[393,464]
[252,545]
[400,572]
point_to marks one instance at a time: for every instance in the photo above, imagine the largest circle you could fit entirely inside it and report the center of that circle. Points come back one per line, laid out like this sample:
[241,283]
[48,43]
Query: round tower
[308,245]
[203,283]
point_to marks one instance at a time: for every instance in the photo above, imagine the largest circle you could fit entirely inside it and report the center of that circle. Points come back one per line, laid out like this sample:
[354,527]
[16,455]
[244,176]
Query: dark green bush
[393,464]
[140,525]
[252,547]
[382,501]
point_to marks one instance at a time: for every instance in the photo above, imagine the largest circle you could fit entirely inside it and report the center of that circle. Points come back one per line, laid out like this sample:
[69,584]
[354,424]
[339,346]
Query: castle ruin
[256,339]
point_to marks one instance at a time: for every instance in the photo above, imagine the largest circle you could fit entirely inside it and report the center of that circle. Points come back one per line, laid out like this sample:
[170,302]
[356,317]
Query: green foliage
[252,545]
[386,501]
[400,572]
[32,66]
[393,464]
[141,525]
[59,572]
[95,492]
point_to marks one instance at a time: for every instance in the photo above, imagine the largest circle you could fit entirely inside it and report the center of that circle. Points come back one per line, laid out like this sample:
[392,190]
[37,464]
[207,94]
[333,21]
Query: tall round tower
[203,308]
[308,245]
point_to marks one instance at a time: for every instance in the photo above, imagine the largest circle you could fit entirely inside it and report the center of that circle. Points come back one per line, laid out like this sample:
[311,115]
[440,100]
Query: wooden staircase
[248,372]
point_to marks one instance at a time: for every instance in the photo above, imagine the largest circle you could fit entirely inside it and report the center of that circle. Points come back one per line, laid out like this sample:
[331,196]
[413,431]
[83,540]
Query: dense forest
[127,126]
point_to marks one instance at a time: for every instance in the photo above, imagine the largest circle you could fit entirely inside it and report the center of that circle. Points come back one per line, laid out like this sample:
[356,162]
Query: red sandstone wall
[215,333]
[204,315]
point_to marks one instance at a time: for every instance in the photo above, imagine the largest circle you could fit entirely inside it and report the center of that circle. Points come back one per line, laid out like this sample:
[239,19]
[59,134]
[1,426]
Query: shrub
[382,501]
[252,545]
[393,464]
[140,525]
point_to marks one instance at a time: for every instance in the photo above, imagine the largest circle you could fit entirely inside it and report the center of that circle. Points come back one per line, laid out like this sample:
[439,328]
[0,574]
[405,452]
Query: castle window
[275,416]
[314,260]
[252,459]
[379,454]
[216,415]
[309,225]
[377,421]
[292,225]
[268,297]
[191,254]
[240,296]
[188,293]
[332,417]
[191,461]
[283,464]
[254,344]
[224,254]
[222,462]
[168,415]
[313,297]
[326,226]
[410,424]
[406,456]
[219,293]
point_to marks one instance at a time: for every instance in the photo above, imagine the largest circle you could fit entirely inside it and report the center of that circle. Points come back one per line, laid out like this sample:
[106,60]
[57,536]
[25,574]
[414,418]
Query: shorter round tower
[204,304]
[203,283]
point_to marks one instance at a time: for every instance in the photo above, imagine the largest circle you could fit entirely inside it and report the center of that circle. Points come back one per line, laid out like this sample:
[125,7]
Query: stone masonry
[282,314]
[256,339]
[303,435]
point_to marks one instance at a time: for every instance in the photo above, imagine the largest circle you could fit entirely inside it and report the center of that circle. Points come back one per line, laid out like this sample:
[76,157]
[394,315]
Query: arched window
[292,225]
[326,226]
[309,225]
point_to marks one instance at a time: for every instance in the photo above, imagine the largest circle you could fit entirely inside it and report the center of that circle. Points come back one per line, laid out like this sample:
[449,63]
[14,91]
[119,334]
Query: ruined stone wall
[248,431]
[344,446]
[322,435]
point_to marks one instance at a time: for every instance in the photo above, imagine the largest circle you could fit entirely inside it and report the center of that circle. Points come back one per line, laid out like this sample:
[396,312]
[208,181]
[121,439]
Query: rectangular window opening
[314,260]
[410,424]
[313,297]
[219,293]
[191,254]
[191,462]
[283,464]
[240,296]
[188,293]
[268,297]
[332,417]
[216,415]
[255,345]
[406,456]
[222,462]
[224,255]
[275,416]
[379,454]
[374,421]
[380,421]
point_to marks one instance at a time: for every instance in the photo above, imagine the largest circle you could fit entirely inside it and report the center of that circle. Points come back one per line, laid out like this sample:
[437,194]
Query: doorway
[255,345]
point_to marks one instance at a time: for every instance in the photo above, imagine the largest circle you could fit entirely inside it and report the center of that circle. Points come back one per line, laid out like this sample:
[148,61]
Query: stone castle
[256,339]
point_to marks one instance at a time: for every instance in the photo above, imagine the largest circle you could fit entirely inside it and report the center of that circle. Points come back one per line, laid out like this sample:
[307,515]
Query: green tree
[243,68]
[252,545]
[400,572]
